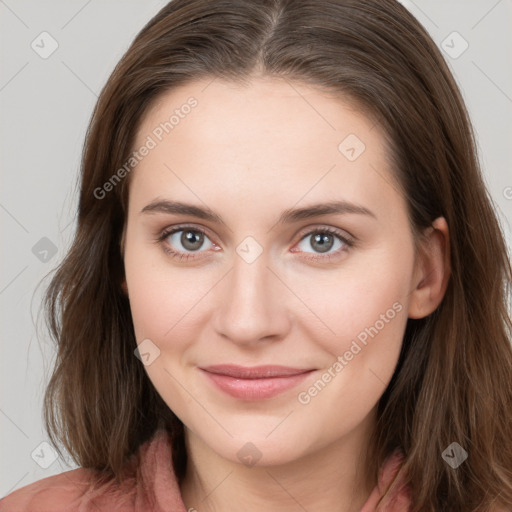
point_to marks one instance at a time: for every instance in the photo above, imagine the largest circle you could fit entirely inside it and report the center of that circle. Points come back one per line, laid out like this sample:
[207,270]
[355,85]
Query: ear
[431,270]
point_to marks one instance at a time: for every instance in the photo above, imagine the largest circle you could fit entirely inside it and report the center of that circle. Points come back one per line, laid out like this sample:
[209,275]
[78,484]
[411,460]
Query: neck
[331,478]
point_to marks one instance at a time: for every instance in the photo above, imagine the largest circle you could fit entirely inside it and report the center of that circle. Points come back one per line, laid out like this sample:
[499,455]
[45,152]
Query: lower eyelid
[346,245]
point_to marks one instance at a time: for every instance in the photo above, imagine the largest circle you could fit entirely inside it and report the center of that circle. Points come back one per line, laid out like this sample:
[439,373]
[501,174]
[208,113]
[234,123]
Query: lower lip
[255,389]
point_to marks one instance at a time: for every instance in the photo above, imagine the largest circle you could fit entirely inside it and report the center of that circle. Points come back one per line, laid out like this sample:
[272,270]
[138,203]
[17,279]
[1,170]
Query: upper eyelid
[164,233]
[319,228]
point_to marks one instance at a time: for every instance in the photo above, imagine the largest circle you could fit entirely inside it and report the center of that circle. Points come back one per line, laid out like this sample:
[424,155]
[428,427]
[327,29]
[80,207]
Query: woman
[286,288]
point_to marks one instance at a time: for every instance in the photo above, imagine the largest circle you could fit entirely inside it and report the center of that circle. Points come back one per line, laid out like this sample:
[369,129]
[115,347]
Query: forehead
[269,136]
[264,105]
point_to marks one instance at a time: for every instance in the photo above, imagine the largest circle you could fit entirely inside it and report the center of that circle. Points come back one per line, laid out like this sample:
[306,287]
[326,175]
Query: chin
[256,447]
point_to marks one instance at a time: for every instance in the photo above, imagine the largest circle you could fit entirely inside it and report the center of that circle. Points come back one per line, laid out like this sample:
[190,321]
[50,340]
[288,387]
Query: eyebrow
[287,216]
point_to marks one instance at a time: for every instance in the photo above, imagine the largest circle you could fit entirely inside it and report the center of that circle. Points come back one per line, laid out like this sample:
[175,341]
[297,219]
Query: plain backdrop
[55,58]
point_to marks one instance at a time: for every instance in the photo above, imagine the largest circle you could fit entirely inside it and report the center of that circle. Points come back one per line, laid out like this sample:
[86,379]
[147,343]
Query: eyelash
[186,256]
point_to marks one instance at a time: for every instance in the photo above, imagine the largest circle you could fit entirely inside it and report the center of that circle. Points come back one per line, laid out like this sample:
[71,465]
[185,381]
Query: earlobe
[432,270]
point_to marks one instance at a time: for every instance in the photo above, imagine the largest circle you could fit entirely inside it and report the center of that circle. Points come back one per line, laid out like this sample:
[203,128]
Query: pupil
[323,240]
[193,238]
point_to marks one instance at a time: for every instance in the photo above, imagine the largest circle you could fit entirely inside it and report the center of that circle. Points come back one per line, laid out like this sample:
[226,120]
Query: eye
[322,240]
[183,241]
[187,242]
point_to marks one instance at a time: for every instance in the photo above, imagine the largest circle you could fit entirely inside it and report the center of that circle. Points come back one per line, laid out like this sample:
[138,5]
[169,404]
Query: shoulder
[55,493]
[398,500]
[147,482]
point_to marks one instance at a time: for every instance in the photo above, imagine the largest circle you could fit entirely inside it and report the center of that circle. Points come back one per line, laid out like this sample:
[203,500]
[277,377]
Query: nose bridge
[250,279]
[251,306]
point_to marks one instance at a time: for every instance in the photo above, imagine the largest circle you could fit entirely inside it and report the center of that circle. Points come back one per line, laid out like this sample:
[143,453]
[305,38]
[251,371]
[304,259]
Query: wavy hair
[453,380]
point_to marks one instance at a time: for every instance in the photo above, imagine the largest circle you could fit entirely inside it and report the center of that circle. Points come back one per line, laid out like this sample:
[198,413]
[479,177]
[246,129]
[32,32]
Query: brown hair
[453,381]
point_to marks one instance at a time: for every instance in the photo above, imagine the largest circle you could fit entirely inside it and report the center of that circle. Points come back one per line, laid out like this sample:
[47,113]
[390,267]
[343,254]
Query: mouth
[254,383]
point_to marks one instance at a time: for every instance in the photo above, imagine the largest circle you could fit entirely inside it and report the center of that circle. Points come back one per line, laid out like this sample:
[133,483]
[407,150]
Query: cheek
[361,359]
[170,307]
[165,308]
[162,309]
[365,298]
[159,295]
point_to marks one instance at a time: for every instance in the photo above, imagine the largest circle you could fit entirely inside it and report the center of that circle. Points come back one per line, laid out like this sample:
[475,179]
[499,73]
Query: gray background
[46,104]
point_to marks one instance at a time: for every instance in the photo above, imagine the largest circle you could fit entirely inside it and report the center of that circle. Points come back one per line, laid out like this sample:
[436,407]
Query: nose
[252,303]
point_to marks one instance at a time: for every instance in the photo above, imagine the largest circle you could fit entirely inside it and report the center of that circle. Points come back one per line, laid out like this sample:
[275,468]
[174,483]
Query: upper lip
[254,372]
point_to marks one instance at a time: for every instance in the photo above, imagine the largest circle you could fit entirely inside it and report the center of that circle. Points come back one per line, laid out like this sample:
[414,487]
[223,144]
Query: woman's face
[275,279]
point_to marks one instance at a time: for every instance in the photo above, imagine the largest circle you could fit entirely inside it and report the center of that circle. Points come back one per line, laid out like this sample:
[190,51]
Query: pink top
[150,487]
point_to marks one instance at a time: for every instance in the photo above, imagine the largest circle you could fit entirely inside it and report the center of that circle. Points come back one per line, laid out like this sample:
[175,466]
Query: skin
[248,153]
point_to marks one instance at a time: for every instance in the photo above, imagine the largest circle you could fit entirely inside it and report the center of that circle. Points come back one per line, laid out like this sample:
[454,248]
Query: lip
[256,382]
